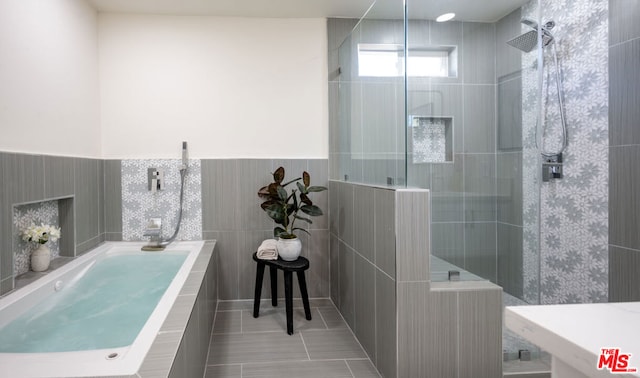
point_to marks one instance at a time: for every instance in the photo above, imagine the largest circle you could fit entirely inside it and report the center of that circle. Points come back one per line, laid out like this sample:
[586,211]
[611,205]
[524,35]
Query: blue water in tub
[105,308]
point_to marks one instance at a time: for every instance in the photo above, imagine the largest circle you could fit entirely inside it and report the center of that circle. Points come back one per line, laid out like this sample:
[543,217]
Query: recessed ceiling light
[445,17]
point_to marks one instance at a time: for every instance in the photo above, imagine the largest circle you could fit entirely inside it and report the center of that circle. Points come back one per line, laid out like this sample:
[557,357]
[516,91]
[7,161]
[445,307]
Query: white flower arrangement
[40,234]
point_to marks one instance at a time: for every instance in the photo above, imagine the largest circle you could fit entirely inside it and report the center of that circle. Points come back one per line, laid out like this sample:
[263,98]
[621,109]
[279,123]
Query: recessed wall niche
[55,212]
[431,139]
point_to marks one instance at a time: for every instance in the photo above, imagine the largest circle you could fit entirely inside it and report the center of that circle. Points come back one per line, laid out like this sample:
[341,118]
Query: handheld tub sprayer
[157,243]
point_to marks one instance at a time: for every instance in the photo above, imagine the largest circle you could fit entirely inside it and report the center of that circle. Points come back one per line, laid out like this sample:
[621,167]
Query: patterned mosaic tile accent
[428,140]
[139,204]
[23,217]
[573,211]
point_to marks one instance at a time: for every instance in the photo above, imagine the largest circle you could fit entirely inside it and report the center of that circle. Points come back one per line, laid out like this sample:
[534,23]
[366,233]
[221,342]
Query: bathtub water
[97,315]
[104,308]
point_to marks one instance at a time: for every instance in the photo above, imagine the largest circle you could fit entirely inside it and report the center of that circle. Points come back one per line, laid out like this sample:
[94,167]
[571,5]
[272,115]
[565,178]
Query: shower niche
[431,139]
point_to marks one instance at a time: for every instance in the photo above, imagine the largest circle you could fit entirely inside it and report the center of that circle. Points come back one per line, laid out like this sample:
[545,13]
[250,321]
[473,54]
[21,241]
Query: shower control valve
[155,179]
[552,167]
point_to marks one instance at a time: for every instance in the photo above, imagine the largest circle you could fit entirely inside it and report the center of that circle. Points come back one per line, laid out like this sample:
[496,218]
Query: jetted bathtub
[95,316]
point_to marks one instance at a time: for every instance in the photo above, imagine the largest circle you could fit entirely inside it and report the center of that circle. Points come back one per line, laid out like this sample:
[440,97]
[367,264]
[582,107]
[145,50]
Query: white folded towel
[267,250]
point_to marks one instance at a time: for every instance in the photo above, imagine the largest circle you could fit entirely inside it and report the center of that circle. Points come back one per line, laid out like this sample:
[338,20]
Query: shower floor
[511,343]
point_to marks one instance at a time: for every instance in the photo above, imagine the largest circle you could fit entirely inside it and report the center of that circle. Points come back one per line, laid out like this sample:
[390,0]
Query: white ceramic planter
[289,249]
[40,258]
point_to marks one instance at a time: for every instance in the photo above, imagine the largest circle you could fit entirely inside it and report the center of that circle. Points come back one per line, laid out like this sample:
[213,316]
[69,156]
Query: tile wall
[78,183]
[479,200]
[380,282]
[230,211]
[363,267]
[140,204]
[231,214]
[567,219]
[624,150]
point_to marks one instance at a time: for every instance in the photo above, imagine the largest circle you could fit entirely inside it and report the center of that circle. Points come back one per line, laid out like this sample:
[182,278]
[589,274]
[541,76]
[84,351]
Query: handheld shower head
[185,156]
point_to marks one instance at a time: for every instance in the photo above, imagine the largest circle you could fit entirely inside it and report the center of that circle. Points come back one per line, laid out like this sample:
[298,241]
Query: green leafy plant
[283,206]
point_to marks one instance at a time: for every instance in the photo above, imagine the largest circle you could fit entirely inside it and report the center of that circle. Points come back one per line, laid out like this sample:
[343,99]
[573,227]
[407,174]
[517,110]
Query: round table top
[301,263]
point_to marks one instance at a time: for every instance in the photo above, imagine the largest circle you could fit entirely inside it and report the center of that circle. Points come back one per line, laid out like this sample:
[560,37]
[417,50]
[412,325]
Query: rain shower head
[529,40]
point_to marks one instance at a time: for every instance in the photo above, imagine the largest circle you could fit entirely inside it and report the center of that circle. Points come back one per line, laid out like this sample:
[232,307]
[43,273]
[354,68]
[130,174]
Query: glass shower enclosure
[450,107]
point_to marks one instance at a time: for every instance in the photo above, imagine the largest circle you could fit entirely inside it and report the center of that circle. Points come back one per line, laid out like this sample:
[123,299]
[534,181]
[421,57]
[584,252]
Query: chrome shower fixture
[154,228]
[529,40]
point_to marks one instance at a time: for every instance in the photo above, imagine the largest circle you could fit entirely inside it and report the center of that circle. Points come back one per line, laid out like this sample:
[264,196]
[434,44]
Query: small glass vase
[40,258]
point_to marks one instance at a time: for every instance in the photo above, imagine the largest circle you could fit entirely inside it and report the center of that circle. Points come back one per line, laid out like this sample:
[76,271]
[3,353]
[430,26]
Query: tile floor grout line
[349,367]
[241,311]
[305,346]
[263,332]
[322,318]
[292,360]
[206,361]
[354,336]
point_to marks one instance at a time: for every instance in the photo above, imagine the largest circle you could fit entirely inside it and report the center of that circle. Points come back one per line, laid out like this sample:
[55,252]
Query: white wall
[231,87]
[48,78]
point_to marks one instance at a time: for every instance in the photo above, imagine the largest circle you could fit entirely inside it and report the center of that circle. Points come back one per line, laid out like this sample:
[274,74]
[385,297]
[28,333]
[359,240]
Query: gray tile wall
[89,178]
[113,197]
[412,233]
[77,182]
[624,150]
[231,214]
[449,330]
[480,332]
[363,267]
[427,332]
[385,293]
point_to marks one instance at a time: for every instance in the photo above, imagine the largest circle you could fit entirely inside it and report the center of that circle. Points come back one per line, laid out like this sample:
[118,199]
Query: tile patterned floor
[243,346]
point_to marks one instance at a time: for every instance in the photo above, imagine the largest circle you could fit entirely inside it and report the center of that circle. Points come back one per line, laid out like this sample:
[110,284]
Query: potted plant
[284,208]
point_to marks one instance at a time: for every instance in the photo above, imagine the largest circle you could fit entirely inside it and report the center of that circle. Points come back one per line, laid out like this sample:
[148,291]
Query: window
[387,60]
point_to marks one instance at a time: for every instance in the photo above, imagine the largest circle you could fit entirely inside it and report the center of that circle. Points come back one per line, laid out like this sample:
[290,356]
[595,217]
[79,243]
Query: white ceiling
[466,10]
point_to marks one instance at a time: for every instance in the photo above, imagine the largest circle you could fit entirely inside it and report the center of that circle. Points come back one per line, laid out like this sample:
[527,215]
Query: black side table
[288,267]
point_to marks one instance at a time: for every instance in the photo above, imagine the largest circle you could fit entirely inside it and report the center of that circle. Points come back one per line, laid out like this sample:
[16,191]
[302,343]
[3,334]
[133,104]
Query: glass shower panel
[456,131]
[371,101]
[467,141]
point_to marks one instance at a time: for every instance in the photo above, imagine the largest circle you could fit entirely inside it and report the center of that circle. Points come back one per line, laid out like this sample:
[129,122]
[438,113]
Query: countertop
[576,333]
